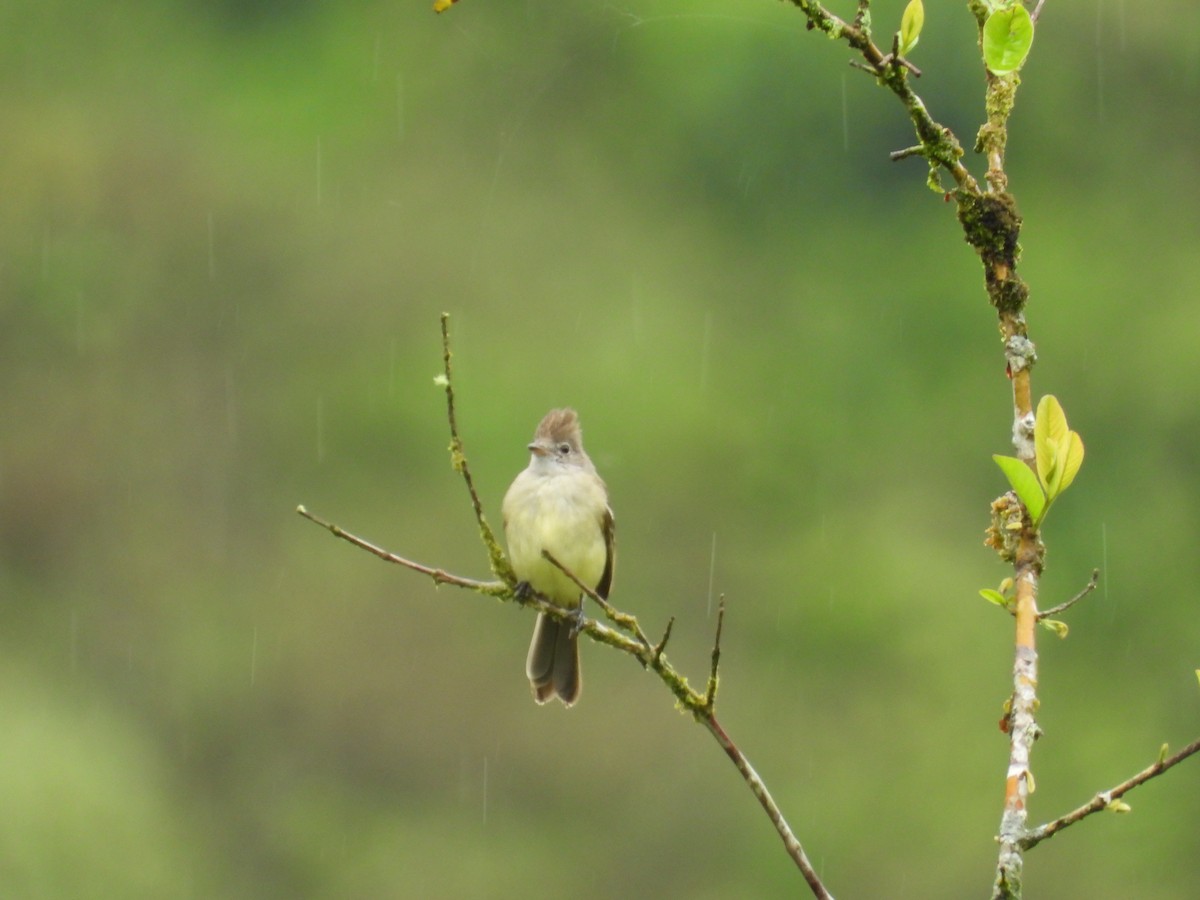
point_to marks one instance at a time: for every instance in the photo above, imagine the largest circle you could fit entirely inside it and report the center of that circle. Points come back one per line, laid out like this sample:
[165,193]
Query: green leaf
[1072,460]
[1059,450]
[1118,806]
[1007,37]
[911,24]
[1059,628]
[1025,483]
[1049,430]
[994,597]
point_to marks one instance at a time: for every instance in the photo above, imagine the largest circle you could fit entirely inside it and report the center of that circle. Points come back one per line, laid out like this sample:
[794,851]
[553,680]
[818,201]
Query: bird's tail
[553,662]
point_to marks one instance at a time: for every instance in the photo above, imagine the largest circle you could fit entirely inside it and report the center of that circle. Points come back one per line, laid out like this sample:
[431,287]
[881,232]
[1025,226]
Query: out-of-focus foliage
[226,234]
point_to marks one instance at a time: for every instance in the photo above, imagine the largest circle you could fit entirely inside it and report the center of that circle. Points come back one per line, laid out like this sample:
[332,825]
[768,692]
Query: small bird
[558,504]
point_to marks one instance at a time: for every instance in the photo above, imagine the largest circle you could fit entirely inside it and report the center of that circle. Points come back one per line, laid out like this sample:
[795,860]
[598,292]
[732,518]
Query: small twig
[439,576]
[710,695]
[860,17]
[662,644]
[1063,607]
[621,620]
[1037,10]
[897,155]
[1105,798]
[458,459]
[894,58]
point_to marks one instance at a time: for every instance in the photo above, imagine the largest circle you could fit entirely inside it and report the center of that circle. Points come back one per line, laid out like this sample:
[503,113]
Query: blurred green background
[227,231]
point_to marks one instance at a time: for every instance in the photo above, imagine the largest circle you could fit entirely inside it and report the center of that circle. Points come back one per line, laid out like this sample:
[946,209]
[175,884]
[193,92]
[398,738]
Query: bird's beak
[538,450]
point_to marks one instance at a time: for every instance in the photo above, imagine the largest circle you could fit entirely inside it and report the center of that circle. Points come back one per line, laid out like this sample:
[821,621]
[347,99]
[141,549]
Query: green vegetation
[227,232]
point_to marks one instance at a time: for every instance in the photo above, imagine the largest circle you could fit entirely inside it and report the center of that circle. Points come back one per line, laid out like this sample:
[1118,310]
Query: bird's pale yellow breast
[561,513]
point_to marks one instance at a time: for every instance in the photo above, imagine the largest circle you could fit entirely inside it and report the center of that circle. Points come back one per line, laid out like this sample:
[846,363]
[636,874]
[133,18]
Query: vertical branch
[458,458]
[1021,723]
[992,226]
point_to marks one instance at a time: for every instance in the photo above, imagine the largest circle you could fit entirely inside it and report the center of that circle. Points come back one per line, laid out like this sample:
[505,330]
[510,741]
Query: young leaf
[1049,431]
[1071,461]
[911,24]
[1025,483]
[440,6]
[994,597]
[1059,449]
[1007,37]
[1059,628]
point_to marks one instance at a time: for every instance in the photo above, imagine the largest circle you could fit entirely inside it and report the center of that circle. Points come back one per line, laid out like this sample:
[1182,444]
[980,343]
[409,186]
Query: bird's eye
[564,448]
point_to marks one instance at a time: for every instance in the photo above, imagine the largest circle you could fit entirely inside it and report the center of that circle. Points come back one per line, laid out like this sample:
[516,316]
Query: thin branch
[897,155]
[662,644]
[621,620]
[710,695]
[1104,799]
[439,576]
[941,146]
[1037,11]
[864,11]
[759,788]
[458,458]
[1063,607]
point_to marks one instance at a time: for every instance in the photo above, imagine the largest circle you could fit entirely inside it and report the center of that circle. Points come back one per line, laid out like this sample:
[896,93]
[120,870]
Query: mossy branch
[628,636]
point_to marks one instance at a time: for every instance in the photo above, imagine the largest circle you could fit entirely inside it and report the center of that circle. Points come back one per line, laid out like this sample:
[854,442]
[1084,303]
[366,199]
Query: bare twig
[662,644]
[439,576]
[1037,10]
[1064,606]
[751,777]
[1104,799]
[710,695]
[458,458]
[621,620]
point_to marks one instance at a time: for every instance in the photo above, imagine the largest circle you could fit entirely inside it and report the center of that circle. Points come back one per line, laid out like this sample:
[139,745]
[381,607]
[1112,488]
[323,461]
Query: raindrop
[636,311]
[1099,61]
[400,105]
[1104,568]
[320,429]
[74,644]
[230,405]
[712,570]
[46,252]
[318,171]
[212,253]
[79,327]
[485,790]
[845,117]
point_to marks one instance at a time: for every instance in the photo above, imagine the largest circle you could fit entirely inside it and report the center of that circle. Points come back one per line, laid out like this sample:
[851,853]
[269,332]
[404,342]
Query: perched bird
[559,504]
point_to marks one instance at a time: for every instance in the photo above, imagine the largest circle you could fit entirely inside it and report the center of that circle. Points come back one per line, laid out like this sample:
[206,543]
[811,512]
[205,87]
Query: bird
[558,504]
